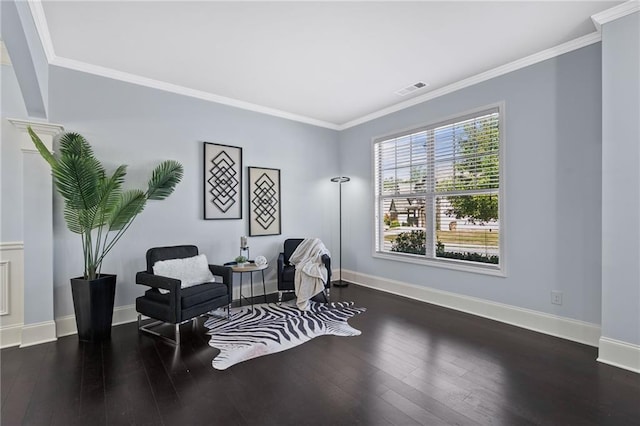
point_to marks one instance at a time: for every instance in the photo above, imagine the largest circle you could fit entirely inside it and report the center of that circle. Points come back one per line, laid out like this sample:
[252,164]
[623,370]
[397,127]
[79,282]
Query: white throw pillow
[190,270]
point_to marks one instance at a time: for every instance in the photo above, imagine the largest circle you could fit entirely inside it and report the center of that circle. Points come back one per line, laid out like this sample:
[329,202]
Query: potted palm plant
[98,209]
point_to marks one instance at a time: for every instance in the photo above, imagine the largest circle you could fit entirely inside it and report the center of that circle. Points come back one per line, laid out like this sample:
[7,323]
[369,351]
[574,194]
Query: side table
[250,268]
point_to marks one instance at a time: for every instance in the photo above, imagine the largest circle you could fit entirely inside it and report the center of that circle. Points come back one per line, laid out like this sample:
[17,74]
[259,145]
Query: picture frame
[264,202]
[222,181]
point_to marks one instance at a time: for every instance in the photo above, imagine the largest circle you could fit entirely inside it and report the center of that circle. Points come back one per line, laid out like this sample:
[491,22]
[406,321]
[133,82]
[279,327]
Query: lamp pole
[340,180]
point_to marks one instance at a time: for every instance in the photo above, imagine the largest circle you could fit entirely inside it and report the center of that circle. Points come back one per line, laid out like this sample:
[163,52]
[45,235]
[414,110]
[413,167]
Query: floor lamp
[340,180]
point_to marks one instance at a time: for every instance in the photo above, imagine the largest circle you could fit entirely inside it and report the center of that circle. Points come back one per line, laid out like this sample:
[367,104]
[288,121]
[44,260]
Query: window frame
[460,265]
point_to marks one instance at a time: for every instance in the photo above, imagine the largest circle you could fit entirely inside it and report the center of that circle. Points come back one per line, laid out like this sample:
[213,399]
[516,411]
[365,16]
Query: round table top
[249,267]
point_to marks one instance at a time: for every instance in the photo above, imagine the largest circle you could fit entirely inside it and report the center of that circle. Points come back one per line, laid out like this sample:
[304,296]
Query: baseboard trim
[35,334]
[553,325]
[121,315]
[619,354]
[10,335]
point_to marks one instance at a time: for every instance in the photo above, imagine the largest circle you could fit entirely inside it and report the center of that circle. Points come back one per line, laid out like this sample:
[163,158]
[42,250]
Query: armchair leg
[148,330]
[279,297]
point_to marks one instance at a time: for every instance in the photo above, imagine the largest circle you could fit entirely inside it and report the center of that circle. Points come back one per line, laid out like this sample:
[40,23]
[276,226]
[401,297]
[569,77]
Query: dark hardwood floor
[413,364]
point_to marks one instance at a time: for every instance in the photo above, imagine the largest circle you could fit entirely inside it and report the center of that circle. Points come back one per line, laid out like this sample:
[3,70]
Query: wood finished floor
[413,364]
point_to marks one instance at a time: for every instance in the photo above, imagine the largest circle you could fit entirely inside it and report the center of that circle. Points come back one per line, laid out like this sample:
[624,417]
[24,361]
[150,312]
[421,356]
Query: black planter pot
[93,305]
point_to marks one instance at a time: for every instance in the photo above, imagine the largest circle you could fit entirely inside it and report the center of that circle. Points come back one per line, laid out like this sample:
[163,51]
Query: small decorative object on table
[241,260]
[260,260]
[244,247]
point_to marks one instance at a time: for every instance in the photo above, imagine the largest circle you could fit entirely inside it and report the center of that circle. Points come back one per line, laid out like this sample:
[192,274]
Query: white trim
[553,325]
[46,132]
[479,78]
[66,325]
[40,127]
[10,335]
[619,354]
[12,245]
[41,25]
[40,20]
[181,90]
[4,287]
[459,265]
[456,265]
[35,334]
[616,12]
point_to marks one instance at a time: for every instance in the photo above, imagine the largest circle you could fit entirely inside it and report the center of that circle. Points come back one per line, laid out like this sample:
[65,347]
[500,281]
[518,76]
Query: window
[438,192]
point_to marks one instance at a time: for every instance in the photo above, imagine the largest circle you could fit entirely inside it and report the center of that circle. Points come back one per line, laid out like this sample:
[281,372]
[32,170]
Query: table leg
[251,275]
[264,289]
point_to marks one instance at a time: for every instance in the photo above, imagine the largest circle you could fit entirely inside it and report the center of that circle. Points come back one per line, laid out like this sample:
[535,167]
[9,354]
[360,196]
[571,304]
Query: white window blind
[437,190]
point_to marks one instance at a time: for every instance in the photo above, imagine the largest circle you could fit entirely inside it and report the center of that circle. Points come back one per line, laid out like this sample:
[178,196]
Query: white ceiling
[331,63]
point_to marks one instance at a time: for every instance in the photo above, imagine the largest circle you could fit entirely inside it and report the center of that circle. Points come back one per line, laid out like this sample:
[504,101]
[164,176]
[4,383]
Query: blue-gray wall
[12,106]
[552,225]
[140,126]
[559,232]
[27,55]
[621,179]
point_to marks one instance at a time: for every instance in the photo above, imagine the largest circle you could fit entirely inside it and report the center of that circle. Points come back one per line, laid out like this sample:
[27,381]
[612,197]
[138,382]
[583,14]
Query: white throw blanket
[311,274]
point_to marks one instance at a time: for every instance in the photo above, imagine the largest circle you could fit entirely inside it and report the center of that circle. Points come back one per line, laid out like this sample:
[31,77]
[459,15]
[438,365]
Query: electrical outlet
[556,297]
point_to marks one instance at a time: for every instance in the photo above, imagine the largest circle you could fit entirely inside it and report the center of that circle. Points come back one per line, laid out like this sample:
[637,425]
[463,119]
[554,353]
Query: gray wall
[27,55]
[553,189]
[139,126]
[12,106]
[621,179]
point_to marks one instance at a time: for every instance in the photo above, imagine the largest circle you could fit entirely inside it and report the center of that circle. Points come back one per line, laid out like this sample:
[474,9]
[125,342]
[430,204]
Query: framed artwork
[222,181]
[264,201]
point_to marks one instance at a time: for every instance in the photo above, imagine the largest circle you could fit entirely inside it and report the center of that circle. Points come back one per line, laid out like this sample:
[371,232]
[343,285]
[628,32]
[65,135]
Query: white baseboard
[66,325]
[619,354]
[35,334]
[10,335]
[566,328]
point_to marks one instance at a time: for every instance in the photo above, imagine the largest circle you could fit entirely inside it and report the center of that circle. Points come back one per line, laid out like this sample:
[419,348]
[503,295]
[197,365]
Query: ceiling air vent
[410,89]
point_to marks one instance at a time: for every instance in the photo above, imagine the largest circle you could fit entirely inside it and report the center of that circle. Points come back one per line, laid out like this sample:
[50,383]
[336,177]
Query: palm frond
[164,179]
[80,221]
[111,188]
[42,149]
[74,144]
[77,179]
[130,204]
[72,217]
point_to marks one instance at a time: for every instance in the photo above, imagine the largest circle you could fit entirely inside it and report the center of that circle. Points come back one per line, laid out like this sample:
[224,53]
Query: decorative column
[37,201]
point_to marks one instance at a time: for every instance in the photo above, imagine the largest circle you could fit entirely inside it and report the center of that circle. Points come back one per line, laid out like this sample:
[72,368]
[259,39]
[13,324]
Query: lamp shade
[340,179]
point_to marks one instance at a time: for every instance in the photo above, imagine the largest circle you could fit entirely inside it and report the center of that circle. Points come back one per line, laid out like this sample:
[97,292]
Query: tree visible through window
[437,190]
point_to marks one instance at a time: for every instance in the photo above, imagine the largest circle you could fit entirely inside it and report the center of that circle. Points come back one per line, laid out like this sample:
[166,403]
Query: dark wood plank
[414,363]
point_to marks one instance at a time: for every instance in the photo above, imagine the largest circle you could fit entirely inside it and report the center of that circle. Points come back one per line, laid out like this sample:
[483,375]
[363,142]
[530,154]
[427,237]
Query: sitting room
[319,213]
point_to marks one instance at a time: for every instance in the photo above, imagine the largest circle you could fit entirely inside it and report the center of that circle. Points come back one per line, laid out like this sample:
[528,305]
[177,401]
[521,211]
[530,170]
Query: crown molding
[479,78]
[616,12]
[39,18]
[181,90]
[598,19]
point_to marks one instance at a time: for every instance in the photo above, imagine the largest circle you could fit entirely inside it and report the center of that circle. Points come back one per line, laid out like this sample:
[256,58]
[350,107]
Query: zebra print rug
[270,328]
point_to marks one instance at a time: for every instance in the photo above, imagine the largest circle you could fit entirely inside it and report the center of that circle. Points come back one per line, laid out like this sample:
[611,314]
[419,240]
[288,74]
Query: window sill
[457,265]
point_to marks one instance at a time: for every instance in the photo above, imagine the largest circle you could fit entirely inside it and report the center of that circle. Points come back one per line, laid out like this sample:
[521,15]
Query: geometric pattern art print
[264,201]
[222,181]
